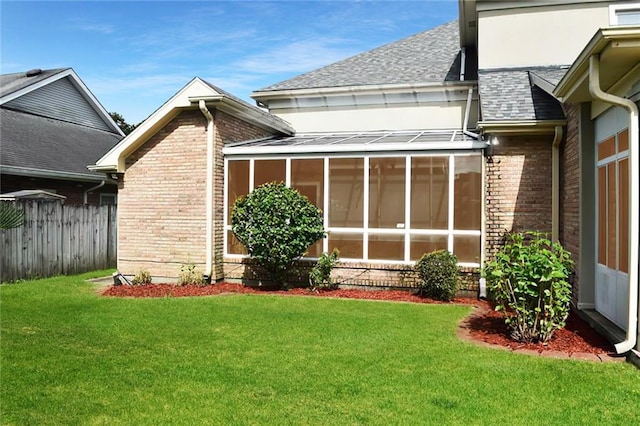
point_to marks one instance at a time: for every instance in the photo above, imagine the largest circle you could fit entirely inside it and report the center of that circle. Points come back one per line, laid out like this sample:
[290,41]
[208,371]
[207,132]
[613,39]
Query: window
[108,199]
[378,208]
[613,201]
[624,14]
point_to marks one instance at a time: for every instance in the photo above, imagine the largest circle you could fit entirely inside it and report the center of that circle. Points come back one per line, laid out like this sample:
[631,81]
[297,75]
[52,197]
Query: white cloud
[298,56]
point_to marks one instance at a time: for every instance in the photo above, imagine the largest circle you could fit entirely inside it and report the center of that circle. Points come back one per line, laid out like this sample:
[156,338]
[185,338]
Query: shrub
[276,225]
[528,279]
[438,272]
[142,277]
[10,216]
[190,274]
[320,275]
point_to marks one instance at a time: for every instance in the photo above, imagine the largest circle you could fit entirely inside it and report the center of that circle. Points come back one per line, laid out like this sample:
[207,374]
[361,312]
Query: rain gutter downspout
[210,229]
[555,184]
[85,195]
[595,90]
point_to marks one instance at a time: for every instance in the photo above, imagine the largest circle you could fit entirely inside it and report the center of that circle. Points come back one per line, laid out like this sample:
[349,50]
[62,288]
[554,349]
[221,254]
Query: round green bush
[438,272]
[277,225]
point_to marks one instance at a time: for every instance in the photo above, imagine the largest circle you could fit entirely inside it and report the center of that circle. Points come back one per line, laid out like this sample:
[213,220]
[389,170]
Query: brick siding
[518,188]
[162,198]
[570,191]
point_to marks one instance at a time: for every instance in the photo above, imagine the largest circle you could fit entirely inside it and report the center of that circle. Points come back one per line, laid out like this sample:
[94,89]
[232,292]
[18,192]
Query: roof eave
[577,75]
[50,174]
[240,110]
[363,89]
[521,127]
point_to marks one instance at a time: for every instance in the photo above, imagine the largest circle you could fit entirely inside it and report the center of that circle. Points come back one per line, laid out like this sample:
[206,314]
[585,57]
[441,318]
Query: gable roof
[188,98]
[511,95]
[59,94]
[429,57]
[52,126]
[41,146]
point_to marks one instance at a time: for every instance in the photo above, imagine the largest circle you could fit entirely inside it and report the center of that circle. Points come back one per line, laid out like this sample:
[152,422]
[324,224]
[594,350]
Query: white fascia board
[50,174]
[542,83]
[521,127]
[356,148]
[114,159]
[362,90]
[250,114]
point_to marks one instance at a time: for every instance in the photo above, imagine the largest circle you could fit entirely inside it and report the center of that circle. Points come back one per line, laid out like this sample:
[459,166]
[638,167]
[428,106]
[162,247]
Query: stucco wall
[542,35]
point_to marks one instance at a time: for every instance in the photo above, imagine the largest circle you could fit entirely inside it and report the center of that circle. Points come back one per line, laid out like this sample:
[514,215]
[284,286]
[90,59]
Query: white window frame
[406,232]
[615,9]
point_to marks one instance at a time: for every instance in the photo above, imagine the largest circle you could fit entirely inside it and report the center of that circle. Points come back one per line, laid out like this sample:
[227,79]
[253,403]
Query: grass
[69,356]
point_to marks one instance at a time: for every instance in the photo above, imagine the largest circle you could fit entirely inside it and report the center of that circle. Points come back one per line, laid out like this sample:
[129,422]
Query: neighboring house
[443,140]
[52,129]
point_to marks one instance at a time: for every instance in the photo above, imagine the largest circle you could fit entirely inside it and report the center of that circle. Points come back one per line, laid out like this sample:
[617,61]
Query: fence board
[57,239]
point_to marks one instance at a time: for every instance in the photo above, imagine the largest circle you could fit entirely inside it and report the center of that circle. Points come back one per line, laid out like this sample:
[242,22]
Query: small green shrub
[438,272]
[190,274]
[142,277]
[276,224]
[529,281]
[320,275]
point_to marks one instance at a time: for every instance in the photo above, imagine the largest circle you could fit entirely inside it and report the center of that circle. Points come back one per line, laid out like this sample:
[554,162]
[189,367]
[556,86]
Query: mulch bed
[484,325]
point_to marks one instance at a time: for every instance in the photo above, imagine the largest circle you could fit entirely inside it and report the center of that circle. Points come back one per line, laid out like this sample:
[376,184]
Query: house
[52,129]
[507,119]
[569,92]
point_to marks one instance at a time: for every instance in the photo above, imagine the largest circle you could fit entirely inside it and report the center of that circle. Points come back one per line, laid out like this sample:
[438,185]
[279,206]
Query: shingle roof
[429,57]
[509,95]
[45,144]
[10,83]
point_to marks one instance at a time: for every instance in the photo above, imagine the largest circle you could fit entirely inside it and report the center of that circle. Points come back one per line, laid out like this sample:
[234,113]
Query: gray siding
[60,100]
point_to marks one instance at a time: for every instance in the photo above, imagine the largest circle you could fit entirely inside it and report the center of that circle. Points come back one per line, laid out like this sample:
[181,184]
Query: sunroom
[387,197]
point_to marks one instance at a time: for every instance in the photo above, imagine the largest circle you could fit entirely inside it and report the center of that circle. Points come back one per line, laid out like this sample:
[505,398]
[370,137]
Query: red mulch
[483,325]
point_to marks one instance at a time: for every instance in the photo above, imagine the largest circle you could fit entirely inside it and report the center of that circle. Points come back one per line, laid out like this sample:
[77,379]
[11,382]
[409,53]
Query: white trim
[614,9]
[450,233]
[355,148]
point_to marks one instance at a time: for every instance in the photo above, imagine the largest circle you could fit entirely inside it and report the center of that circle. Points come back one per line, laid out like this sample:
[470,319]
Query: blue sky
[135,55]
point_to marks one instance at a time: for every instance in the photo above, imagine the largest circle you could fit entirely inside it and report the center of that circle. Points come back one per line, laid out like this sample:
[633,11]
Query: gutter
[555,184]
[85,195]
[634,184]
[210,229]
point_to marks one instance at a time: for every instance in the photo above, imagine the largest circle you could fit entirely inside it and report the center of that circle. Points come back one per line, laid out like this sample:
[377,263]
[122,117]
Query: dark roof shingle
[509,95]
[10,83]
[45,144]
[429,57]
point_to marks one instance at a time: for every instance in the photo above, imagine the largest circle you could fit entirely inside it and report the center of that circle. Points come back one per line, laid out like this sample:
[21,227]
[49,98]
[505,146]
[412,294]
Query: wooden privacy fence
[57,239]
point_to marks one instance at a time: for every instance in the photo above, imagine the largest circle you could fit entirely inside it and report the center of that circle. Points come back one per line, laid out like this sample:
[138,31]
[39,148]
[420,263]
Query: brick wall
[162,211]
[372,275]
[518,188]
[161,216]
[570,190]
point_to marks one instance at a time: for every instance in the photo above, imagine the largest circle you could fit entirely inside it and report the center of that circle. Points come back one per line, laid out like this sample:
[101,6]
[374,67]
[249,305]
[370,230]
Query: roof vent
[34,72]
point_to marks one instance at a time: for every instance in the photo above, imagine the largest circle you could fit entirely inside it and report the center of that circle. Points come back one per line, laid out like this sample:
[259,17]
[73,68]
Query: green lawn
[69,356]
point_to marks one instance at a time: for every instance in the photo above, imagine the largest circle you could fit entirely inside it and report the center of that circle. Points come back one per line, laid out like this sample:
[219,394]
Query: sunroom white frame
[365,231]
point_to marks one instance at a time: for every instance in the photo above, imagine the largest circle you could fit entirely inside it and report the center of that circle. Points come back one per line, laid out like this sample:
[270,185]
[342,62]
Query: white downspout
[210,229]
[85,195]
[555,184]
[634,166]
[467,112]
